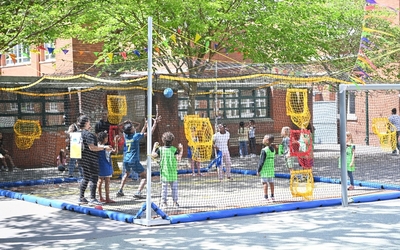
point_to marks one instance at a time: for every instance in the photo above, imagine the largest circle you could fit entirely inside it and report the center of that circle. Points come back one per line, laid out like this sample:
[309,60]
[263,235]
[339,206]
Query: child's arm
[263,156]
[155,147]
[116,139]
[179,156]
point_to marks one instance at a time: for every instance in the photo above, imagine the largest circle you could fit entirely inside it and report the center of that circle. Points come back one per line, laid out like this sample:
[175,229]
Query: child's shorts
[134,166]
[267,180]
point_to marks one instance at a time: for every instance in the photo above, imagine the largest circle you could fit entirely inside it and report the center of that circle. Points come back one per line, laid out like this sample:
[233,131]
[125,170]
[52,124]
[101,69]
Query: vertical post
[342,141]
[366,118]
[149,113]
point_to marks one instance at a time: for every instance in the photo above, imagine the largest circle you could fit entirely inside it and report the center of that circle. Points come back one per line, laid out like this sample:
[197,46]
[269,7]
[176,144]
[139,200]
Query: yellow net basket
[385,131]
[26,131]
[297,107]
[117,108]
[302,183]
[199,133]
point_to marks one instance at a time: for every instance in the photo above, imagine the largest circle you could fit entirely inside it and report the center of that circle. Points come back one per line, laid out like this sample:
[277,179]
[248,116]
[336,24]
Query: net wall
[263,98]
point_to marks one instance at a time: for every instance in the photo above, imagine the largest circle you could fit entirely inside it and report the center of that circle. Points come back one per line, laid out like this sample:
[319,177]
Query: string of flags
[363,62]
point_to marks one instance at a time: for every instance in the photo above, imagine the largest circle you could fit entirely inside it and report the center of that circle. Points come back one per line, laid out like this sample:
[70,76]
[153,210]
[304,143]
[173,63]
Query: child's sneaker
[272,198]
[138,195]
[164,205]
[120,193]
[83,201]
[95,202]
[176,204]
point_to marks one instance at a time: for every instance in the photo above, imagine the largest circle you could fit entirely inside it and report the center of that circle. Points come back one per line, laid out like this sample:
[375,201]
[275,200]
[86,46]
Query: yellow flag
[110,55]
[173,38]
[377,31]
[197,38]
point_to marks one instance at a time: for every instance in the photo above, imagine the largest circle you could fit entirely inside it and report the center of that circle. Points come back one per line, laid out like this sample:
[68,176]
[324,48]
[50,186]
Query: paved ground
[376,225]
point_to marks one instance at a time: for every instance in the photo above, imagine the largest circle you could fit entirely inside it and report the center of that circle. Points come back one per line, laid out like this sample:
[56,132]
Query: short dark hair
[128,128]
[82,120]
[394,111]
[102,135]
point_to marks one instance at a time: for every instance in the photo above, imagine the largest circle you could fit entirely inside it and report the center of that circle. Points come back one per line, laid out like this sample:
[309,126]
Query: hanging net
[297,108]
[385,131]
[117,108]
[26,131]
[199,133]
[302,183]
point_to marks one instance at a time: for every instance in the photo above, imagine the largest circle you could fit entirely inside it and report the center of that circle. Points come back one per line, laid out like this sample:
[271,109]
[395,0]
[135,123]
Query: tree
[188,32]
[33,22]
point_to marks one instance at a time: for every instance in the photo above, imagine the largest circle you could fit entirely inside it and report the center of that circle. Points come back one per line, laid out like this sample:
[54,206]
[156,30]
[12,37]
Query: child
[289,161]
[252,137]
[105,166]
[193,162]
[4,156]
[266,166]
[306,145]
[131,160]
[62,160]
[350,156]
[243,137]
[169,157]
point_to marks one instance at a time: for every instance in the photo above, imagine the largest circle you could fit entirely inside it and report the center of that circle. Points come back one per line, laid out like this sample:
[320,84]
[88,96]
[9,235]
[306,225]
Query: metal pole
[149,114]
[366,118]
[342,141]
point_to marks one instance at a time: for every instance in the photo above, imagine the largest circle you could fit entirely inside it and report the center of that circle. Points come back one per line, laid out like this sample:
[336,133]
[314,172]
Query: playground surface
[373,225]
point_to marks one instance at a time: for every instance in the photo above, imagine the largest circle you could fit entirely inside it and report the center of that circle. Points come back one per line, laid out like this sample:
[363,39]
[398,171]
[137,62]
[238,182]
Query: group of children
[170,155]
[266,163]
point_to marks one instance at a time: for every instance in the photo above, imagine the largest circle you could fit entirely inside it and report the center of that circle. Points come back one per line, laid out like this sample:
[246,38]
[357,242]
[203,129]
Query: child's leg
[107,189]
[174,190]
[265,185]
[142,181]
[164,191]
[11,161]
[350,174]
[272,187]
[192,163]
[123,181]
[197,163]
[99,183]
[228,164]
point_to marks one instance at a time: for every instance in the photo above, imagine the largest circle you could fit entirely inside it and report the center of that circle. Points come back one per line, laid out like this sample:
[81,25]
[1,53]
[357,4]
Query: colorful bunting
[41,47]
[65,51]
[377,31]
[50,50]
[197,38]
[123,54]
[110,56]
[157,49]
[371,2]
[173,38]
[136,52]
[96,54]
[13,58]
[81,52]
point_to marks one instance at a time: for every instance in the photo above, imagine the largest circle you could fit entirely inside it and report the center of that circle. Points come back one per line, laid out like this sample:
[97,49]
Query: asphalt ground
[373,225]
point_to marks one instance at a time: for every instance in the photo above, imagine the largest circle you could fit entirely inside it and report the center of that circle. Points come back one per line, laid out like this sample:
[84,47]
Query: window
[233,103]
[351,105]
[21,53]
[52,107]
[13,106]
[27,107]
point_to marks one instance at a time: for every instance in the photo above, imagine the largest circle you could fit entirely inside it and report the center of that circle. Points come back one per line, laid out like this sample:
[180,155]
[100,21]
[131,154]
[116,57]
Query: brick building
[75,57]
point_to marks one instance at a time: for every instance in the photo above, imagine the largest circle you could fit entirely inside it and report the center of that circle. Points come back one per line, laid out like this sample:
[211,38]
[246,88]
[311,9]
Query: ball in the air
[168,92]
